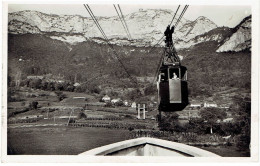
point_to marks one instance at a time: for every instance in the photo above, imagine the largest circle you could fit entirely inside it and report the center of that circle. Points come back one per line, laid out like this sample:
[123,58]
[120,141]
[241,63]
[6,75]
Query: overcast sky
[222,15]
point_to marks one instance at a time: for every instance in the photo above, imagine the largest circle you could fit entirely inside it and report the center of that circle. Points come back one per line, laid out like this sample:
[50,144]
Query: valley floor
[56,129]
[61,140]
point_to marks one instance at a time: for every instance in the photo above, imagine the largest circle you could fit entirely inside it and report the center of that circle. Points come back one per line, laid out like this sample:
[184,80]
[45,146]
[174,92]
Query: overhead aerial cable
[175,14]
[107,41]
[182,13]
[122,21]
[95,21]
[160,40]
[158,68]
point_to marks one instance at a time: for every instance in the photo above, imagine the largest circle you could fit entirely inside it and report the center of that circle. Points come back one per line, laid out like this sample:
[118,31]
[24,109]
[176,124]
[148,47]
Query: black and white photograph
[130,79]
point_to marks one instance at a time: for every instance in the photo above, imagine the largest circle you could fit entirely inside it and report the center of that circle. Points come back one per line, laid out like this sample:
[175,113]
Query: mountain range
[217,58]
[146,28]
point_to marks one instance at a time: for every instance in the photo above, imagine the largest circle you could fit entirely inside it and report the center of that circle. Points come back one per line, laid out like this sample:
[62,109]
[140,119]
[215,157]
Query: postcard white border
[254,159]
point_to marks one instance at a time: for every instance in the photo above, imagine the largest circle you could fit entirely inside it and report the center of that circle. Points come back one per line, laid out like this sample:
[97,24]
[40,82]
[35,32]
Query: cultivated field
[56,127]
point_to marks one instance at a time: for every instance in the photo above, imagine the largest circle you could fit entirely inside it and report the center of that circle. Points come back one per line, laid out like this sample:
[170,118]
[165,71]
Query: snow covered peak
[201,18]
[205,20]
[192,29]
[146,26]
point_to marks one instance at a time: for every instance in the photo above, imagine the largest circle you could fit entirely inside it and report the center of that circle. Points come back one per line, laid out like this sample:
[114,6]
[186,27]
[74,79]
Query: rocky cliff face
[241,38]
[146,27]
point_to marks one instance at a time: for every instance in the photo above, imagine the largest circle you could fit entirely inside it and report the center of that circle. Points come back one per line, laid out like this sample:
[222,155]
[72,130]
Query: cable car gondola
[172,80]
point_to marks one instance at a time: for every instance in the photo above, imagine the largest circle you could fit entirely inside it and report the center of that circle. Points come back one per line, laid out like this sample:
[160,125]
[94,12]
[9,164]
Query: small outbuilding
[126,103]
[106,98]
[114,101]
[195,106]
[210,105]
[76,84]
[133,105]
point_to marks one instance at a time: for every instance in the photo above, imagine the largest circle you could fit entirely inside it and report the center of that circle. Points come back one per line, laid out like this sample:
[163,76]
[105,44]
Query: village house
[133,105]
[210,105]
[106,98]
[228,120]
[35,77]
[150,105]
[126,103]
[194,106]
[76,84]
[114,101]
[224,106]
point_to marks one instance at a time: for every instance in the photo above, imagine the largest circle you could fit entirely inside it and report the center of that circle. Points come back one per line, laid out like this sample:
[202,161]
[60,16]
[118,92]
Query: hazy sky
[221,15]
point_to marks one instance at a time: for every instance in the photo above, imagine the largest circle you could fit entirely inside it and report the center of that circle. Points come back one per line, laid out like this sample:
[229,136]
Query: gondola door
[175,95]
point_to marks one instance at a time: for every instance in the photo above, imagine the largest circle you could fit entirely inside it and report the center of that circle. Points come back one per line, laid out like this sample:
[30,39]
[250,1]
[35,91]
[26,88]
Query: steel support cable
[95,21]
[178,20]
[175,14]
[183,12]
[110,44]
[101,30]
[119,60]
[122,21]
[159,41]
[158,68]
[180,15]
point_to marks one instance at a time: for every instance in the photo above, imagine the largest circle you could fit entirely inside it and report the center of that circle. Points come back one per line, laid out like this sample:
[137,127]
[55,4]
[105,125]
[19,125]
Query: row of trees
[44,84]
[210,122]
[56,86]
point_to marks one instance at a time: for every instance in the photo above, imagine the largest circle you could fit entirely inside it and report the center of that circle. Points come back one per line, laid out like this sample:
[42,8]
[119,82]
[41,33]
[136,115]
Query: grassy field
[60,140]
[44,138]
[72,141]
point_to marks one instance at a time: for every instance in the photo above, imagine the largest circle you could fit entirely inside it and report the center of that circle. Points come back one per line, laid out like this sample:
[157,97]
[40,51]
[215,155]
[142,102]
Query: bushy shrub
[171,123]
[130,128]
[60,95]
[196,125]
[243,142]
[35,83]
[120,103]
[134,94]
[211,115]
[82,115]
[241,109]
[33,105]
[150,90]
[109,104]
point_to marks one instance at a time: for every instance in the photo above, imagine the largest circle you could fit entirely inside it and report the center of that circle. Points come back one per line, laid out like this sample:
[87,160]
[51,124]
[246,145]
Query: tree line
[211,122]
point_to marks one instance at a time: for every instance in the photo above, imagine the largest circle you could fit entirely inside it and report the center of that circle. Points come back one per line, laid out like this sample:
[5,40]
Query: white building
[195,105]
[76,84]
[126,103]
[35,77]
[106,98]
[133,105]
[115,100]
[210,105]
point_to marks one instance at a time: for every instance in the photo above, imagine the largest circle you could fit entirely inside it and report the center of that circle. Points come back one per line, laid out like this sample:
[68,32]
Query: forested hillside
[94,63]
